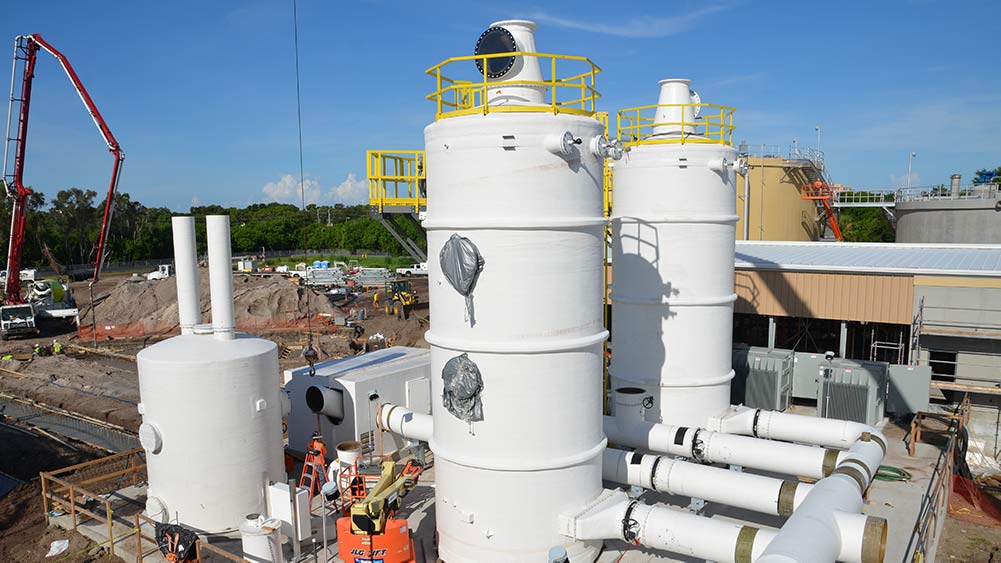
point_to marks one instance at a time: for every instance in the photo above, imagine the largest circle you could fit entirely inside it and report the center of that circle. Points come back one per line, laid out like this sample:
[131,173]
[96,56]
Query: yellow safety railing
[714,125]
[396,179]
[574,94]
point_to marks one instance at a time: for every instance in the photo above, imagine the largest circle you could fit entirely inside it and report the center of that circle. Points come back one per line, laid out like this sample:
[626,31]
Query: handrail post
[139,540]
[111,527]
[552,82]
[486,97]
[45,496]
[73,507]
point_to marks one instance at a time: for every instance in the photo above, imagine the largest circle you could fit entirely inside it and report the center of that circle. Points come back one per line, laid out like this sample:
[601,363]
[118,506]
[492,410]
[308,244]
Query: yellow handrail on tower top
[635,126]
[455,97]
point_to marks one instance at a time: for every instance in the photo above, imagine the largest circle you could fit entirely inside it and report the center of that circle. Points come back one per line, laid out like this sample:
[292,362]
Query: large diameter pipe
[771,425]
[221,276]
[713,484]
[614,516]
[668,529]
[827,525]
[405,422]
[186,274]
[324,400]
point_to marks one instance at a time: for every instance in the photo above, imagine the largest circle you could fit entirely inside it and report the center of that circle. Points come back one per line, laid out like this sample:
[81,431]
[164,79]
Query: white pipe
[713,484]
[405,422]
[747,201]
[668,529]
[628,428]
[221,276]
[325,400]
[827,432]
[189,309]
[715,447]
[614,516]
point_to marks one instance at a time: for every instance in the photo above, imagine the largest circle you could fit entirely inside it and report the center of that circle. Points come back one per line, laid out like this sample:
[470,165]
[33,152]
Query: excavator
[370,532]
[18,313]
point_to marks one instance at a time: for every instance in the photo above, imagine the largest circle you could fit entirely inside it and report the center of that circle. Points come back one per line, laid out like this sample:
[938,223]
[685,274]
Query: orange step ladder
[313,472]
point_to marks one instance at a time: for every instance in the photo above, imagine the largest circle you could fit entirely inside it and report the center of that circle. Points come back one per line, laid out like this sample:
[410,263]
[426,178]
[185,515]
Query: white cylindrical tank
[532,327]
[261,540]
[673,219]
[211,427]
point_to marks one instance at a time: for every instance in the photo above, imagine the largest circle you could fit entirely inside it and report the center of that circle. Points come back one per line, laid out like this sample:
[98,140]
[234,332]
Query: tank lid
[516,23]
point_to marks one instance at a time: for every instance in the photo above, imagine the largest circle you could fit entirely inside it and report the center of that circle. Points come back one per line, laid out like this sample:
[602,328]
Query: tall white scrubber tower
[515,228]
[673,220]
[210,403]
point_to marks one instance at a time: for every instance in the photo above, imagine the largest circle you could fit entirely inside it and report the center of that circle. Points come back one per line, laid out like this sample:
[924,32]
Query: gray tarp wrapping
[461,263]
[463,385]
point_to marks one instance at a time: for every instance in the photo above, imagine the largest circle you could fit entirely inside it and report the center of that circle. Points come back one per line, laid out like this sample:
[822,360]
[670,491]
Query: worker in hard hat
[316,446]
[57,348]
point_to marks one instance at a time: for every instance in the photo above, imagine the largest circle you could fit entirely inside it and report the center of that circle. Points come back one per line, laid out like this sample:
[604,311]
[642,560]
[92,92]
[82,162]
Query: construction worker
[316,446]
[57,348]
[375,300]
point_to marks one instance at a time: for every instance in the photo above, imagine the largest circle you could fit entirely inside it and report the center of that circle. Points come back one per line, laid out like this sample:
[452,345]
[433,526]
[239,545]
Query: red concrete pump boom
[26,49]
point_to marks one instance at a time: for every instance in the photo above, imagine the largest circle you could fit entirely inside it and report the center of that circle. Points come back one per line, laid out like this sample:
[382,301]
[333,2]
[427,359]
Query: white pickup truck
[414,270]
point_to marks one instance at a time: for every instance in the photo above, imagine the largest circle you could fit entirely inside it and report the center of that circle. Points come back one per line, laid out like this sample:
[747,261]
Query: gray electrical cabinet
[907,389]
[763,377]
[849,392]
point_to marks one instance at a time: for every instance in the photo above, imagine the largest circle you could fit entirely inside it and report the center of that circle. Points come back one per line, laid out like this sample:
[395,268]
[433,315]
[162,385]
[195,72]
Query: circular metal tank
[211,428]
[534,331]
[673,219]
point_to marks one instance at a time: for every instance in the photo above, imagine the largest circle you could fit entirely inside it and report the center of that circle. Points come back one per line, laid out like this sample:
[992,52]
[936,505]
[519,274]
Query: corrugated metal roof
[880,258]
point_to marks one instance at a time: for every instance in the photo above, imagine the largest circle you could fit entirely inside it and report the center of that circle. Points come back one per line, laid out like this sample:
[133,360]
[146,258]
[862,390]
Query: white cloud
[287,190]
[351,191]
[636,28]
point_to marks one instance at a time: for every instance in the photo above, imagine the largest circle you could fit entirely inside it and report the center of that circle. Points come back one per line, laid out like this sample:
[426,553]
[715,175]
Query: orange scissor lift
[823,193]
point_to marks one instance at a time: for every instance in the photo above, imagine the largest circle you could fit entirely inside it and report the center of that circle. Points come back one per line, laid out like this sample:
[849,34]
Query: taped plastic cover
[461,263]
[463,386]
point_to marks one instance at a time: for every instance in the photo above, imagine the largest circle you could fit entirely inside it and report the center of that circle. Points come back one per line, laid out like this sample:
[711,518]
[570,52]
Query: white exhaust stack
[186,271]
[522,68]
[221,276]
[675,91]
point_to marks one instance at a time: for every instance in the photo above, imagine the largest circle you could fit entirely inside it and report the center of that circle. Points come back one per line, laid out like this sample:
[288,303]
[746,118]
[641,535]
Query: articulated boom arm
[26,49]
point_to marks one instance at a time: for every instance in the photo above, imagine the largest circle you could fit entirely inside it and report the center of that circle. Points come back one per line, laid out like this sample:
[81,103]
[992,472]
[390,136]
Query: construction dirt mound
[138,300]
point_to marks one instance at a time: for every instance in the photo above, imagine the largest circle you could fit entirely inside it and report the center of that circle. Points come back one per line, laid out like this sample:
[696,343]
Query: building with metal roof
[935,304]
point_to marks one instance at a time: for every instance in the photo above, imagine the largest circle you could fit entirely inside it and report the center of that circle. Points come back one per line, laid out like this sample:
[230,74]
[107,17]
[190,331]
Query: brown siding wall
[851,297]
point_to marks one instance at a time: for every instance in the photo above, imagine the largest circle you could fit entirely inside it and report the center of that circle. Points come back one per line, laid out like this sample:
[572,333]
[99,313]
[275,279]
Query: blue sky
[201,94]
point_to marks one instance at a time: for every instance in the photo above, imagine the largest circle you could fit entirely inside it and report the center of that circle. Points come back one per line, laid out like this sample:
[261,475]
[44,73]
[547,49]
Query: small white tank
[673,220]
[211,416]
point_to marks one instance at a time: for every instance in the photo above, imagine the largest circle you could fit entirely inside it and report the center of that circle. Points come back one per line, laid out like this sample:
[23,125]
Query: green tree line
[65,229]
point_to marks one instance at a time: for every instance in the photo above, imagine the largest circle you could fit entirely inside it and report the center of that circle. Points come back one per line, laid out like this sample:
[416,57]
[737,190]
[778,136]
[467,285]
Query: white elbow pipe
[221,276]
[713,484]
[825,526]
[828,527]
[324,400]
[827,432]
[715,447]
[405,422]
[186,274]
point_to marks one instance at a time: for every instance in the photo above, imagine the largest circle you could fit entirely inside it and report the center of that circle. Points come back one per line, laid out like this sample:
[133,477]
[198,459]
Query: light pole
[818,137]
[910,157]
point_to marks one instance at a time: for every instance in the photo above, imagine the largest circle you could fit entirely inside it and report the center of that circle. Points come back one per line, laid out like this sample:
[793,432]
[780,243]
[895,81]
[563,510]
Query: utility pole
[910,157]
